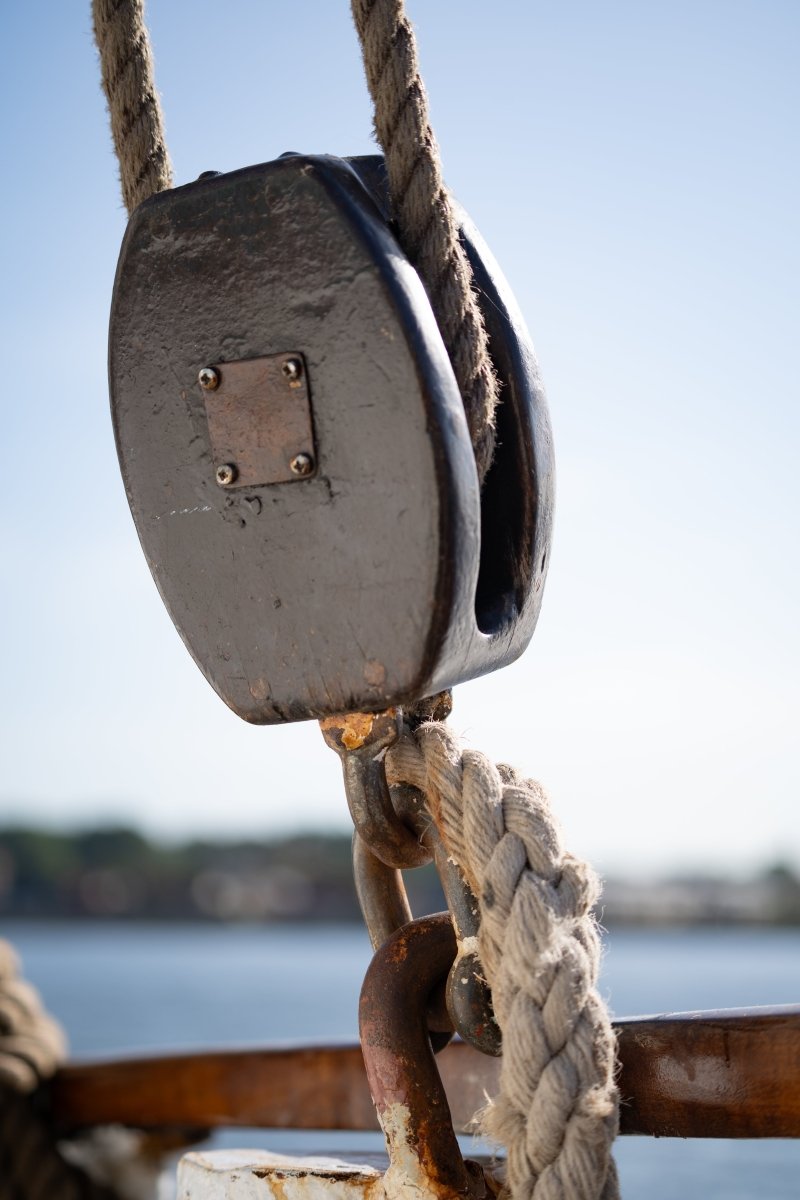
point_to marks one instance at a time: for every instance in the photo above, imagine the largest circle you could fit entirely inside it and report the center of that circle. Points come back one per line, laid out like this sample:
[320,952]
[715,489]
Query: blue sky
[634,168]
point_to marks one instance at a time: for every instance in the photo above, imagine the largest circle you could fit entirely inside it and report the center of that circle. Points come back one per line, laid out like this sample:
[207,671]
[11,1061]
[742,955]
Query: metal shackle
[406,1087]
[394,830]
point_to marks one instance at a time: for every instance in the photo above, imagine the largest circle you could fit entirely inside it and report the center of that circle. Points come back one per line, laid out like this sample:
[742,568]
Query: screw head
[208,379]
[225,474]
[302,464]
[292,369]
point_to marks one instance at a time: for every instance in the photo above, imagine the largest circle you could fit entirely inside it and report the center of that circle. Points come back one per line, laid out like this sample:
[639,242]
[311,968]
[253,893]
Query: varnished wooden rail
[734,1073]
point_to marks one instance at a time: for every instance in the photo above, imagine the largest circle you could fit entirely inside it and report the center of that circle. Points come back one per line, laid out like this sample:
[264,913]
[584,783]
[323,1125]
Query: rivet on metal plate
[226,474]
[208,378]
[293,370]
[302,464]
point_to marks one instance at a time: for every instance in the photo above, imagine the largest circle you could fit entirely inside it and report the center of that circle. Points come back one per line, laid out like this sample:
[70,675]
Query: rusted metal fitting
[361,741]
[394,831]
[406,1088]
[381,894]
[469,1003]
[469,997]
[385,908]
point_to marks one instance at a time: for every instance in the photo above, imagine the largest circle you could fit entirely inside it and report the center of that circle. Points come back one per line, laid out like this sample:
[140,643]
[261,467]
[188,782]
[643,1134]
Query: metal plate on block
[259,420]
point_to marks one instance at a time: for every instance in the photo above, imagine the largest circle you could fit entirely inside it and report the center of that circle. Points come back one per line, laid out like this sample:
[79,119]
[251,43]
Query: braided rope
[422,209]
[137,125]
[539,947]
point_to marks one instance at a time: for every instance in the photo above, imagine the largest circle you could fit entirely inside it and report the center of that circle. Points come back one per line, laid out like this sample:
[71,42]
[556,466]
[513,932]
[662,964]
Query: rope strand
[423,211]
[421,203]
[137,124]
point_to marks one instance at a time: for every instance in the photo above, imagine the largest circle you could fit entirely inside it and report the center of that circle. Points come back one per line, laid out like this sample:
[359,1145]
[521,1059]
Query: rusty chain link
[394,832]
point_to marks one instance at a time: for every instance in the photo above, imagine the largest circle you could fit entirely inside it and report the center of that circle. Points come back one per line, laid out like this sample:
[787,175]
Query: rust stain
[356,728]
[275,1181]
[338,1179]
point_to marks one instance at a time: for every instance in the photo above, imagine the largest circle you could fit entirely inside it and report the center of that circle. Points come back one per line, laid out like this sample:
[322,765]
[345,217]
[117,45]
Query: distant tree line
[118,873]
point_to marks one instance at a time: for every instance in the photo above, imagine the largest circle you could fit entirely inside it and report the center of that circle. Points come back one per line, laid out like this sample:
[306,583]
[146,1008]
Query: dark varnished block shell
[355,588]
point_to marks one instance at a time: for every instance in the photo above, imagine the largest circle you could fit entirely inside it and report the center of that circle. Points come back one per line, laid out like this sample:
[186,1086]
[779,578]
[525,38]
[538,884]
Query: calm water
[126,987]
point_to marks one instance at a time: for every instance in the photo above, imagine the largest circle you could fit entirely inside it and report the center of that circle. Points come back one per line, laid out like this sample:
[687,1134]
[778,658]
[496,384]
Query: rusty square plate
[259,420]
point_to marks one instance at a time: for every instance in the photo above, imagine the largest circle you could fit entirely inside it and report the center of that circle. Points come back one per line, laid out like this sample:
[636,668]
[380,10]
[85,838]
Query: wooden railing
[733,1074]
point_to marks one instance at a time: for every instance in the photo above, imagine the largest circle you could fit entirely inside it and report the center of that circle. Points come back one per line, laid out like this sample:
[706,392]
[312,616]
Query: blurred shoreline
[116,873]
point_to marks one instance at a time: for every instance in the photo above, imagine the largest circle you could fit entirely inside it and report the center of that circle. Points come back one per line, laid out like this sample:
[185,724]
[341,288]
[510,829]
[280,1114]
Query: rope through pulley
[421,204]
[537,941]
[422,208]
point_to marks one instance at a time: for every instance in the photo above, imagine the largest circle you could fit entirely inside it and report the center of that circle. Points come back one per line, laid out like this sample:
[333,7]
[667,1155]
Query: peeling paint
[259,1175]
[182,512]
[468,945]
[405,1176]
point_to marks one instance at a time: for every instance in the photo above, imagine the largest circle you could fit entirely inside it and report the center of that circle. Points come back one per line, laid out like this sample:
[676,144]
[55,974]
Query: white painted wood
[260,1175]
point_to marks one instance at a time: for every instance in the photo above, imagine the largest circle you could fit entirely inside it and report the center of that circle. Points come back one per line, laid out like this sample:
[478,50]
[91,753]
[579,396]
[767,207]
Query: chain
[394,832]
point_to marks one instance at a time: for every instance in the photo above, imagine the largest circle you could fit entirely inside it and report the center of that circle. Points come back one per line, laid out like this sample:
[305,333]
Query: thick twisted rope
[32,1043]
[32,1047]
[422,208]
[538,944]
[108,1163]
[137,126]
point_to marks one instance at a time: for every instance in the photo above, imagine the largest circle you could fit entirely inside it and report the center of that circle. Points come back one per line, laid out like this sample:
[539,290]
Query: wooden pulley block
[295,451]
